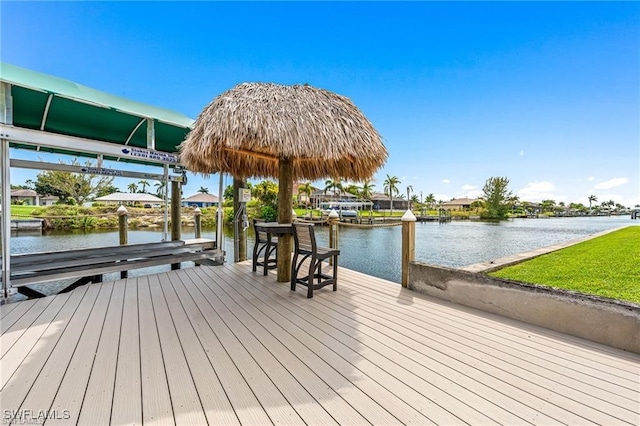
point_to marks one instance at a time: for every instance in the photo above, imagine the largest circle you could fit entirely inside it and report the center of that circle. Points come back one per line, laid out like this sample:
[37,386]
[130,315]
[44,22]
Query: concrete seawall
[610,322]
[26,225]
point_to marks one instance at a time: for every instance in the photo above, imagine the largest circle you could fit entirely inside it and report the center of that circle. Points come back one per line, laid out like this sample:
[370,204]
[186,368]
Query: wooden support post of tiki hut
[176,216]
[285,197]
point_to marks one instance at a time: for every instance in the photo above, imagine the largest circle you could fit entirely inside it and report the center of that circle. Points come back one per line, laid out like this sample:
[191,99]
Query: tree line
[496,201]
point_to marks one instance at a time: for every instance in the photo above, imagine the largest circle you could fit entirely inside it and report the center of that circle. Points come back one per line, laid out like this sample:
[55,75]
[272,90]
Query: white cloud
[442,197]
[472,194]
[446,181]
[611,183]
[522,153]
[537,191]
[468,187]
[591,178]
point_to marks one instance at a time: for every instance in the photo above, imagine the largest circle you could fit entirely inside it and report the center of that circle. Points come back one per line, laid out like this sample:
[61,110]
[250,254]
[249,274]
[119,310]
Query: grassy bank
[24,212]
[607,266]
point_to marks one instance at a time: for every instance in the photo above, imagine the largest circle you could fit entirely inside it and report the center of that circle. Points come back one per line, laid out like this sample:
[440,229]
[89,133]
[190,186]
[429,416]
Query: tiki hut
[283,132]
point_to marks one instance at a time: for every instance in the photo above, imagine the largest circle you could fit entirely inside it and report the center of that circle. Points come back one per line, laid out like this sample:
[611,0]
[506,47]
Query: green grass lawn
[607,266]
[22,212]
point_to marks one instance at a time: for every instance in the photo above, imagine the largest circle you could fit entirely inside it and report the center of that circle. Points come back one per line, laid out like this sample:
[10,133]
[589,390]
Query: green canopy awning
[53,105]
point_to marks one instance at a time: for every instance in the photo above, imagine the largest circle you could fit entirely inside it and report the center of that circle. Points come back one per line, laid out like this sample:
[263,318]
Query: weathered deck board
[14,315]
[127,391]
[72,389]
[216,405]
[376,390]
[156,398]
[187,409]
[13,333]
[46,385]
[23,363]
[98,398]
[244,401]
[533,360]
[438,389]
[6,308]
[222,345]
[270,397]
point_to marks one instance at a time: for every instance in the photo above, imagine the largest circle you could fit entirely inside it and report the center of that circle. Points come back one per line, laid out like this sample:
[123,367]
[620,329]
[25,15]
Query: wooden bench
[90,264]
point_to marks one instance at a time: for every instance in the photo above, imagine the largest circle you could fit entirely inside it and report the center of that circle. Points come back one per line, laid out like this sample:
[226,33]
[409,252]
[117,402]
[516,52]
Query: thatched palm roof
[246,130]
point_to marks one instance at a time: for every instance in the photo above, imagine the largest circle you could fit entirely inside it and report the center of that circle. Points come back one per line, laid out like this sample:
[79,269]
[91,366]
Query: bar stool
[306,248]
[265,251]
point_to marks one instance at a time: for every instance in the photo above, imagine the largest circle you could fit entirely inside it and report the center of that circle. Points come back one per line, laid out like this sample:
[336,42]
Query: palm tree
[547,205]
[160,186]
[391,187]
[352,189]
[592,199]
[366,190]
[409,189]
[307,190]
[513,201]
[430,200]
[334,185]
[132,187]
[144,184]
[203,190]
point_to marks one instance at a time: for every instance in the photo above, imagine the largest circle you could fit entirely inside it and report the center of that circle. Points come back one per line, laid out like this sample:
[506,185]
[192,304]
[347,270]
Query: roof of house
[201,198]
[329,194]
[127,197]
[24,193]
[460,202]
[381,196]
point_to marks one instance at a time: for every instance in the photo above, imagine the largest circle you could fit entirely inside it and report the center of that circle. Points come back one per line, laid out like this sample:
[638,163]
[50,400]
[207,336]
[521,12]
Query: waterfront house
[458,204]
[27,197]
[201,200]
[381,202]
[130,199]
[48,200]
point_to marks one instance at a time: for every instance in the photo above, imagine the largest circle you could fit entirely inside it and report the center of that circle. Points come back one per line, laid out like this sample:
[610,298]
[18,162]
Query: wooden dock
[222,345]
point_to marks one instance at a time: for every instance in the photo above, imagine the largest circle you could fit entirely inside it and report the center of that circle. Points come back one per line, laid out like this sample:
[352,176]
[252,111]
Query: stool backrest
[261,236]
[304,237]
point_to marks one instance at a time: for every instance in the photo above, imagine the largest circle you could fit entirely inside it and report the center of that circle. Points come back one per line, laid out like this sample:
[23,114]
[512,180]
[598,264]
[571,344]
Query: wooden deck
[222,345]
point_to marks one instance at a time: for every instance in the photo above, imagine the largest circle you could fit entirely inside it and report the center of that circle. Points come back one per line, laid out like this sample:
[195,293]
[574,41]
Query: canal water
[376,251]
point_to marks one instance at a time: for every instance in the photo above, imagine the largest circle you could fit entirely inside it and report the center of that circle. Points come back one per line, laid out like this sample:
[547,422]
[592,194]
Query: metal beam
[75,144]
[6,216]
[165,229]
[41,165]
[46,111]
[6,117]
[133,132]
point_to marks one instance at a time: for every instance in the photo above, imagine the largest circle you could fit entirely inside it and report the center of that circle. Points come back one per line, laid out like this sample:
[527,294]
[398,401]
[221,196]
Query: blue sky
[544,93]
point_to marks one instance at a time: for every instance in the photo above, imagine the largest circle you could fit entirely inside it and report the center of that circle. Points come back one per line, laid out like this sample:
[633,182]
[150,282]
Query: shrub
[269,214]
